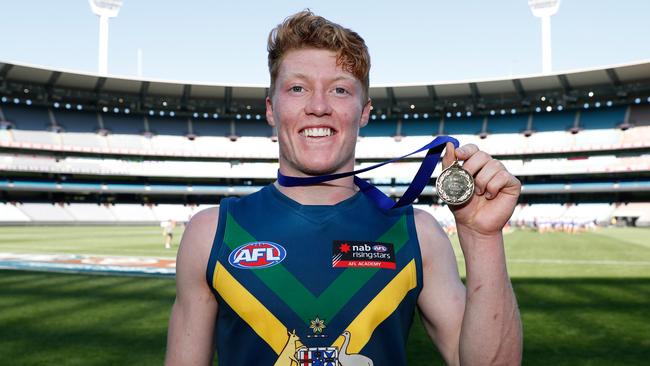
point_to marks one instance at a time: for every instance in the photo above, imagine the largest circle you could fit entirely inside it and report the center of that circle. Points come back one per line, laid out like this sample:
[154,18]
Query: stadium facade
[82,148]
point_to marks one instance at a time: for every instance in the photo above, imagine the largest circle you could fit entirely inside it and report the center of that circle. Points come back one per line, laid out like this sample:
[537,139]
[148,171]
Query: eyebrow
[300,75]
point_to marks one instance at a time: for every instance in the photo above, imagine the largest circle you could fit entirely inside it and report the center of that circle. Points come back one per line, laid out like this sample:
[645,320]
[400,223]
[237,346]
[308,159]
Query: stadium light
[4,99]
[104,9]
[544,9]
[637,100]
[609,103]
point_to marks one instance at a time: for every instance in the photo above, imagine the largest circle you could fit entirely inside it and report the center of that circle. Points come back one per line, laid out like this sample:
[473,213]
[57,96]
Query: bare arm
[491,331]
[190,339]
[442,300]
[484,327]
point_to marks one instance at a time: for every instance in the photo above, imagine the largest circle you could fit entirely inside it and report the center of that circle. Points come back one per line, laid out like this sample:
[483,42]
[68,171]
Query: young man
[319,274]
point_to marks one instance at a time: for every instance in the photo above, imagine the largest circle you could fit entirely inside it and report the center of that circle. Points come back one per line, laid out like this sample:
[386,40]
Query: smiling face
[318,109]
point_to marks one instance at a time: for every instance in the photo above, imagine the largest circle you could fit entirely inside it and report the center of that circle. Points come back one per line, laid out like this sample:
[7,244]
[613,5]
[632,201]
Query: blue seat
[464,126]
[253,128]
[207,127]
[168,126]
[76,121]
[27,117]
[553,121]
[602,118]
[509,123]
[379,128]
[420,127]
[123,124]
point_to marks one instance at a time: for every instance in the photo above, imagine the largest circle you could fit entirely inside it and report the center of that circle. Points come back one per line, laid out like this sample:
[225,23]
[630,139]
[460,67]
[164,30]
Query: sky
[410,42]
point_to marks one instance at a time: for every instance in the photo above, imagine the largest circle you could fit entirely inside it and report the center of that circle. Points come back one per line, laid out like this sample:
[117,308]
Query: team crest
[296,353]
[259,254]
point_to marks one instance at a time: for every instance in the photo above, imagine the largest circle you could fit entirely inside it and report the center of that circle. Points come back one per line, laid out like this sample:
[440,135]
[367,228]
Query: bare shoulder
[196,243]
[431,236]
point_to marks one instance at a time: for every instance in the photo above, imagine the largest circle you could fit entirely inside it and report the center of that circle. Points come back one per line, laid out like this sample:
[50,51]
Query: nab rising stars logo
[259,254]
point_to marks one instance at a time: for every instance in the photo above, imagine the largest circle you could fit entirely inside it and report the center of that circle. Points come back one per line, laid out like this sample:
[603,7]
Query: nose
[318,104]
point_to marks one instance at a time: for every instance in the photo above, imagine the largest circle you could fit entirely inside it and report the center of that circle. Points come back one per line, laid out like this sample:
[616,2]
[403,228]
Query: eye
[340,90]
[297,88]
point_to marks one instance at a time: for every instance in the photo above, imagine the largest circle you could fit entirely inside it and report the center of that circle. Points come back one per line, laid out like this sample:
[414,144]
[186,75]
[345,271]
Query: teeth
[317,132]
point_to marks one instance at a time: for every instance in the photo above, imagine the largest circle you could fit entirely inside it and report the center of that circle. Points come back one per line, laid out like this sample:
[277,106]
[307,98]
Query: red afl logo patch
[259,254]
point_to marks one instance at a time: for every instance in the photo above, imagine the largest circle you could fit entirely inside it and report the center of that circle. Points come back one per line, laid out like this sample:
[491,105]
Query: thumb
[450,155]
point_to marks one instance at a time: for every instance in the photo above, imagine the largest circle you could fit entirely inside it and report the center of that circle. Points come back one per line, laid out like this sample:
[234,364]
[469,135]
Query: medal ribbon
[416,187]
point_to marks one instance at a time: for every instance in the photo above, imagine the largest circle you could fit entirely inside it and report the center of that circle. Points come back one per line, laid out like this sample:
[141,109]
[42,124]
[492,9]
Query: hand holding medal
[482,194]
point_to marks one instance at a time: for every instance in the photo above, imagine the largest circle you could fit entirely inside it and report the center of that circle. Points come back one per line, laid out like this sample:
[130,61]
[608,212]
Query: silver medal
[455,185]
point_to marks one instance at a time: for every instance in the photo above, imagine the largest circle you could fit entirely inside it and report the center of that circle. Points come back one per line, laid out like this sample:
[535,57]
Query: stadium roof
[566,88]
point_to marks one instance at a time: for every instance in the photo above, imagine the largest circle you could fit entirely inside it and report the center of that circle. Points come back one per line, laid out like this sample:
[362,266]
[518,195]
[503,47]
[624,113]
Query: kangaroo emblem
[288,355]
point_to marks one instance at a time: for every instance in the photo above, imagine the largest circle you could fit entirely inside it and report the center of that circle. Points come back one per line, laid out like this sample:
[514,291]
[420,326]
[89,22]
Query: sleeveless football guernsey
[307,285]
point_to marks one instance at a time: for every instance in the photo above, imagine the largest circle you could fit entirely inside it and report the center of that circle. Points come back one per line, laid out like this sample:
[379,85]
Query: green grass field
[584,299]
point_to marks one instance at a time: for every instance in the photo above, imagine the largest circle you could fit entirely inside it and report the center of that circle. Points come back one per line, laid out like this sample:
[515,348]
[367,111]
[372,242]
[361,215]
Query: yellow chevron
[380,308]
[256,315]
[273,332]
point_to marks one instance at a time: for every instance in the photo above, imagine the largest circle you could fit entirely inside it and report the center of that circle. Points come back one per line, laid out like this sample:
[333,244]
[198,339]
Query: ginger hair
[307,30]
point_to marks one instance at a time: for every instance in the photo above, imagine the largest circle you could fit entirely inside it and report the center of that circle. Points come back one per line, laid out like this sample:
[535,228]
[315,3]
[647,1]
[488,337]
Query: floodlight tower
[104,9]
[545,9]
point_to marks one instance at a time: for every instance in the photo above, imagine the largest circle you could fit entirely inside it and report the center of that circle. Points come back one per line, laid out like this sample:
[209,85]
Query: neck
[328,193]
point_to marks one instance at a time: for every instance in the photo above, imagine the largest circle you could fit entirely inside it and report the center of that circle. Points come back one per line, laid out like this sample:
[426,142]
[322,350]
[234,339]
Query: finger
[502,181]
[466,151]
[449,157]
[476,161]
[486,174]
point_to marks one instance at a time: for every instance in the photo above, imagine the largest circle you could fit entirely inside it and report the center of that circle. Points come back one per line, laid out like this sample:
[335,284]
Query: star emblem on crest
[344,248]
[317,325]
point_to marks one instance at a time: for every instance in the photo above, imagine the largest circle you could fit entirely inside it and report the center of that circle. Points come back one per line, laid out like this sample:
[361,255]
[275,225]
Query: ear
[269,112]
[365,113]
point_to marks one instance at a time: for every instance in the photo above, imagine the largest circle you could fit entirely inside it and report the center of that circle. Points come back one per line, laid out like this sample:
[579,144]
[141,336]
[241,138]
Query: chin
[318,168]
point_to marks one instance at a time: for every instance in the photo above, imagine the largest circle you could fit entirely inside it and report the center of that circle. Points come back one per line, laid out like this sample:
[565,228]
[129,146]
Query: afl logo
[259,254]
[379,248]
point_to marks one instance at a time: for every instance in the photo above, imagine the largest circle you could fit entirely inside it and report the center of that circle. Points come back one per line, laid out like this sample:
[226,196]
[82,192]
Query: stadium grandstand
[85,149]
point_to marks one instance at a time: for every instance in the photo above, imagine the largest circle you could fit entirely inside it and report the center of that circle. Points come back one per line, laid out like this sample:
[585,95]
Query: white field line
[589,262]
